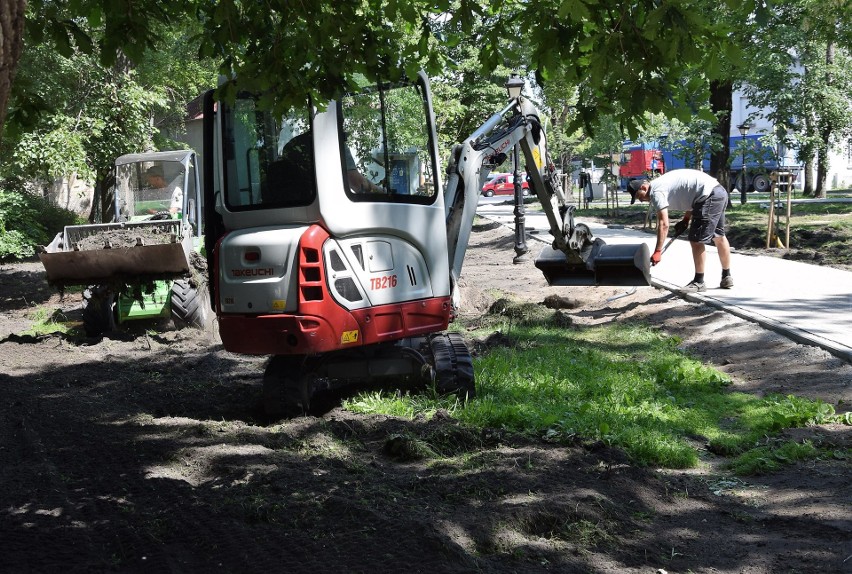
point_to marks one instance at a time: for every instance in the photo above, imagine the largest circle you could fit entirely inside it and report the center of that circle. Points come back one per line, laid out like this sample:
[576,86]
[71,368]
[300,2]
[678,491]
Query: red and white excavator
[334,245]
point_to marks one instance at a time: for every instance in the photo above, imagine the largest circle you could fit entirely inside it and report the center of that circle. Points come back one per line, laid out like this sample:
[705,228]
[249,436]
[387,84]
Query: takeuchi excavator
[335,246]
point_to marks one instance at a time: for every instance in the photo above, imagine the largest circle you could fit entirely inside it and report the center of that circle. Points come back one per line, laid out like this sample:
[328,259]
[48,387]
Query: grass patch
[765,459]
[46,321]
[625,384]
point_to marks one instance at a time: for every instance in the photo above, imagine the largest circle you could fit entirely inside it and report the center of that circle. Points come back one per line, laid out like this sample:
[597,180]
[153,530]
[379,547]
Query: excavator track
[453,365]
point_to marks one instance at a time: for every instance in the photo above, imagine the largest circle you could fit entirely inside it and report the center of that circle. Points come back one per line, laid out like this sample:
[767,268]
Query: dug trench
[147,451]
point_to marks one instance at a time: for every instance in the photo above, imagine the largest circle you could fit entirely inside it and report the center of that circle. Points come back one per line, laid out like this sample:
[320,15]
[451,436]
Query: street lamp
[743,127]
[514,85]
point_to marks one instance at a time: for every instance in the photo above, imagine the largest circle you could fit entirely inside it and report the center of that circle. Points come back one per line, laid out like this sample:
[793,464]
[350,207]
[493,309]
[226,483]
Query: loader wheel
[189,306]
[98,311]
[453,365]
[286,391]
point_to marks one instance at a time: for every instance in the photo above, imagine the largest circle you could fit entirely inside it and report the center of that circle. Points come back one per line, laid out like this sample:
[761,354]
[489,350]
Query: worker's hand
[655,258]
[681,226]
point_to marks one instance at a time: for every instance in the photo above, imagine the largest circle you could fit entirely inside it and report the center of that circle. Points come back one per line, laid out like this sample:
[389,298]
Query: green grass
[47,321]
[772,456]
[626,384]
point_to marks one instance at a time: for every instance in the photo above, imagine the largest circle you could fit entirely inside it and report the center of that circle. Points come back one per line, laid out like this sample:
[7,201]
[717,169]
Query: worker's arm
[682,225]
[662,232]
[360,184]
[662,228]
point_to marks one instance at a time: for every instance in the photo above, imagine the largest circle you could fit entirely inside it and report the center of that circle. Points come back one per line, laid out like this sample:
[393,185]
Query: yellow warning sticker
[537,157]
[349,337]
[279,304]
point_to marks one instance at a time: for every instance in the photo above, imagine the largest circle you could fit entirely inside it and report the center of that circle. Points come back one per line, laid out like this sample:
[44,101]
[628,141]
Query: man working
[703,202]
[156,180]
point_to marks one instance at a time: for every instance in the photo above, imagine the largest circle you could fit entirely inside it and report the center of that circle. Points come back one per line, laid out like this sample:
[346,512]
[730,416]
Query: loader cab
[158,185]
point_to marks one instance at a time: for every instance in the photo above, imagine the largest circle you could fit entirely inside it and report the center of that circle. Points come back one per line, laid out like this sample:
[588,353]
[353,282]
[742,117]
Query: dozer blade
[625,264]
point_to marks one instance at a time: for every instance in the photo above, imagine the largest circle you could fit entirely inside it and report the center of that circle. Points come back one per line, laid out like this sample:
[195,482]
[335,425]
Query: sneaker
[695,287]
[727,282]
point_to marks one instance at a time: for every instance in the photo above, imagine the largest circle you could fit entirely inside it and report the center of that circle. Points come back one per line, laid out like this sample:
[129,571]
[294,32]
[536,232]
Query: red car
[504,185]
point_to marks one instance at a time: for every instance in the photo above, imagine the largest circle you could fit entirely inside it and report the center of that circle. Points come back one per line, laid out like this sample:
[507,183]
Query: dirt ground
[147,451]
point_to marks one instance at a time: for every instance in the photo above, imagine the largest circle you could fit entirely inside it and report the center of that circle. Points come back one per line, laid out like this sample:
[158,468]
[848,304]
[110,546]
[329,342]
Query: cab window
[269,159]
[385,145]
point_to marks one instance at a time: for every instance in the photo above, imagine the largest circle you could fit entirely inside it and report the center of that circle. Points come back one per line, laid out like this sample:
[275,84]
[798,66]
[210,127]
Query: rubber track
[453,364]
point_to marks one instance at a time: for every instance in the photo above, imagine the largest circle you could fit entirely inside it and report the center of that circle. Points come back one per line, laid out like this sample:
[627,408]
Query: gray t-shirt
[679,188]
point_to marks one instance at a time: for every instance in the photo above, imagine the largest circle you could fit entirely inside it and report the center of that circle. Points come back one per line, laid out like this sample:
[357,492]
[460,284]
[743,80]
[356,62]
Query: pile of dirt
[149,451]
[126,237]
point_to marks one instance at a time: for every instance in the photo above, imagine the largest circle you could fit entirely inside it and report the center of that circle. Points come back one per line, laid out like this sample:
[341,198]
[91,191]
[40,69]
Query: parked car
[504,185]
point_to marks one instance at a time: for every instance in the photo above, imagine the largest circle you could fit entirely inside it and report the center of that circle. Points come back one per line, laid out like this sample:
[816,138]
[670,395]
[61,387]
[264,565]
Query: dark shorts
[708,217]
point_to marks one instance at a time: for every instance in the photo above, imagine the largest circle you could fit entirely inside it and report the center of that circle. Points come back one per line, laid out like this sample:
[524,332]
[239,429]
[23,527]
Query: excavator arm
[575,256]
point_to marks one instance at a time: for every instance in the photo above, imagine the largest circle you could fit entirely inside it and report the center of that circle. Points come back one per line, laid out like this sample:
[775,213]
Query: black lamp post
[743,127]
[514,85]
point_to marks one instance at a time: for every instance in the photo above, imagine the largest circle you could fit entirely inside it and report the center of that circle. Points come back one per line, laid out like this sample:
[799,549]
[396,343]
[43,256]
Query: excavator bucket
[622,265]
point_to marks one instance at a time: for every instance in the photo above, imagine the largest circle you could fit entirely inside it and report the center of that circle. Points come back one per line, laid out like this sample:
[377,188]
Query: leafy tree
[72,116]
[800,72]
[94,115]
[627,54]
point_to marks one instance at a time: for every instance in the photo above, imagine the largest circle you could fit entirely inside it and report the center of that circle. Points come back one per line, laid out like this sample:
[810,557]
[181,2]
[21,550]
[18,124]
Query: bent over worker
[703,201]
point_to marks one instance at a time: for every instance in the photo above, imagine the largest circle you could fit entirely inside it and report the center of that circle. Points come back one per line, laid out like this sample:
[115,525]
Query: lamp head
[514,85]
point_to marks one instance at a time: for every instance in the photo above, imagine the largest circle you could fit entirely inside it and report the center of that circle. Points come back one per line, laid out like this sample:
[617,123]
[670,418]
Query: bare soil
[147,451]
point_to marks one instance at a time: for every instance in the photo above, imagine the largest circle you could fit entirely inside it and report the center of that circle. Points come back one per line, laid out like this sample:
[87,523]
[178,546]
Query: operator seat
[290,180]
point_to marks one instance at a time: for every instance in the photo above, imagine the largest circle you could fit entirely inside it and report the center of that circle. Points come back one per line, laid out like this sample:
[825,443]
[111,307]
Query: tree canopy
[627,57]
[596,62]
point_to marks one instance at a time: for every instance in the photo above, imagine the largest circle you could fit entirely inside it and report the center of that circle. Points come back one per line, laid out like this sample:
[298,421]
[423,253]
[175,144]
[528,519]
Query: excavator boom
[575,257]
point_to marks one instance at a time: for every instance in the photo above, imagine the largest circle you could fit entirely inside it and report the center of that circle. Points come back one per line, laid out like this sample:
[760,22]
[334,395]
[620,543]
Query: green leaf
[63,44]
[95,17]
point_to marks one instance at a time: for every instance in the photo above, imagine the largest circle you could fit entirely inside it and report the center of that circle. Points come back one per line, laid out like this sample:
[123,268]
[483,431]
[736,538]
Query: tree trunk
[808,168]
[825,130]
[103,202]
[822,169]
[11,42]
[721,103]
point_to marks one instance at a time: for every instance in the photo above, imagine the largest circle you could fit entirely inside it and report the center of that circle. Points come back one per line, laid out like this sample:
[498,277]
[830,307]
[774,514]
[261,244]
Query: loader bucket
[94,267]
[625,264]
[148,249]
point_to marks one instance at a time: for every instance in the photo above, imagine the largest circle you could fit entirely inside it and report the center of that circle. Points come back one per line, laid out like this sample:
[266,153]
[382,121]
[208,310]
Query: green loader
[147,263]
